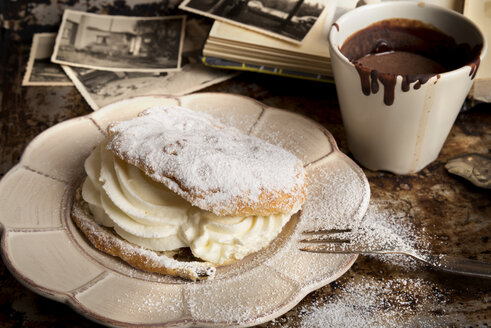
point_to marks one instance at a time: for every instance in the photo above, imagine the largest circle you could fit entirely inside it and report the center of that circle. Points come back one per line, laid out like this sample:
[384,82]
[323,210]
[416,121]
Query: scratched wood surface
[453,215]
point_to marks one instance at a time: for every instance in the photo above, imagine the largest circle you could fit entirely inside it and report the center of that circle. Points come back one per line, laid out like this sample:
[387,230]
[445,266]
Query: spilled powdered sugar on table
[367,299]
[356,305]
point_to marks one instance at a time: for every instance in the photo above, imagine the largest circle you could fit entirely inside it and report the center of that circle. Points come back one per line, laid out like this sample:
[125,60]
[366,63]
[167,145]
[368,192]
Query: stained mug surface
[407,135]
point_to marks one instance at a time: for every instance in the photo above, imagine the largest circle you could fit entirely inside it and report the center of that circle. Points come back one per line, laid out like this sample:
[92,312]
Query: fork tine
[325,240]
[315,249]
[325,231]
[322,236]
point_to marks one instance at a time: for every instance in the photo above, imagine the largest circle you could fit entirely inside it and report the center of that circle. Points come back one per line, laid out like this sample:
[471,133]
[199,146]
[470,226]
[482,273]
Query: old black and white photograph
[120,43]
[289,20]
[40,70]
[100,88]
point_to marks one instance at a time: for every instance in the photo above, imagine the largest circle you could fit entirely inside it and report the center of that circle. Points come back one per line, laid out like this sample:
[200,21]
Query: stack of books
[235,47]
[230,45]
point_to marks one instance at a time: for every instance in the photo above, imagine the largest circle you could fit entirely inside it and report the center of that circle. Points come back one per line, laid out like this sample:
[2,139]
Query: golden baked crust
[107,241]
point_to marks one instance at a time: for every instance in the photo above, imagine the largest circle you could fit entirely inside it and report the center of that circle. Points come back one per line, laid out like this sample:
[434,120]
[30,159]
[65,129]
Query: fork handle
[462,266]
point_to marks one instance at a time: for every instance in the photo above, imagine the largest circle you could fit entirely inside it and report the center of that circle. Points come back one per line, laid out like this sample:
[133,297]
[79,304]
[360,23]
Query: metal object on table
[474,167]
[327,241]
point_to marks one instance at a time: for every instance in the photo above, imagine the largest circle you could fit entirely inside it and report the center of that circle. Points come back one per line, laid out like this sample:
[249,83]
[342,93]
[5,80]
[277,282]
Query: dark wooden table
[451,214]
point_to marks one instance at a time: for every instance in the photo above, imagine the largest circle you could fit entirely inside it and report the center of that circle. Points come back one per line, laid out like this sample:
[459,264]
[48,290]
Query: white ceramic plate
[45,251]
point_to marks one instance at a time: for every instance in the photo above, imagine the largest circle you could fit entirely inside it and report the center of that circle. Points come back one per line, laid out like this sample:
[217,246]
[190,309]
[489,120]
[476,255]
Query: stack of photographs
[109,58]
[40,70]
[285,37]
[235,44]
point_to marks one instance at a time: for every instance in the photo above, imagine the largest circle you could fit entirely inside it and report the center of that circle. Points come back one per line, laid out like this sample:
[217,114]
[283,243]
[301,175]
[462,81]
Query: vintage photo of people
[120,43]
[40,70]
[290,20]
[101,88]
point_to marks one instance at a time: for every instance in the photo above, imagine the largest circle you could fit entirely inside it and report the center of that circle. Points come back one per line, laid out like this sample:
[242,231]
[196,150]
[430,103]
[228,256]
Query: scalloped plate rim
[70,299]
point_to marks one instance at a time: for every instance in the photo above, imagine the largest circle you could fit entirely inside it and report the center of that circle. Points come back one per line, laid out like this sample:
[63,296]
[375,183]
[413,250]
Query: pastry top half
[213,167]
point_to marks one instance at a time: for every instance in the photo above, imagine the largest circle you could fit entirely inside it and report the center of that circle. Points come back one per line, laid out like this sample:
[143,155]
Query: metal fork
[341,241]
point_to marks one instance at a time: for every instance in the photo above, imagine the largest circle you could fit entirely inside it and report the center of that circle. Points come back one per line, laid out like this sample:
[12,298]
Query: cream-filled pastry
[174,178]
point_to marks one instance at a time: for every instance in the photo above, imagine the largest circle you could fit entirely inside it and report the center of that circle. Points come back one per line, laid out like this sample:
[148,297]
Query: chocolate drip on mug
[419,79]
[369,82]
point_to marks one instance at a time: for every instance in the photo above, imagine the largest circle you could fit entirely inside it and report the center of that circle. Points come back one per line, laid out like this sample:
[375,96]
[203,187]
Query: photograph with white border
[120,43]
[40,71]
[101,88]
[289,20]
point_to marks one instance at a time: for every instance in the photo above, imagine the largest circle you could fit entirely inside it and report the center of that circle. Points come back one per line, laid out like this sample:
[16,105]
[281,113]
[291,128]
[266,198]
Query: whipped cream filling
[148,214]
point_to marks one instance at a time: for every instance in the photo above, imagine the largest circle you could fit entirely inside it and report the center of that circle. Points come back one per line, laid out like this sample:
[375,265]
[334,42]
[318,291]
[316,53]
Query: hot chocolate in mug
[402,72]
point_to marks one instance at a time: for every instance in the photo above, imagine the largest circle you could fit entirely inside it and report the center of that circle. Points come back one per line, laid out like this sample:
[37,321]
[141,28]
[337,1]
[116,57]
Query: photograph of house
[101,88]
[119,43]
[285,19]
[40,70]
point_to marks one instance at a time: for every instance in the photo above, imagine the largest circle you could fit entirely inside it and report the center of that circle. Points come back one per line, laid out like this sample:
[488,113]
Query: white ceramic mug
[409,134]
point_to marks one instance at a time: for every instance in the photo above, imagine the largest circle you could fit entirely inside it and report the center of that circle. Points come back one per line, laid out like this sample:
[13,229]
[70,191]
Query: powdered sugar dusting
[339,201]
[239,299]
[156,299]
[384,230]
[209,164]
[306,268]
[362,305]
